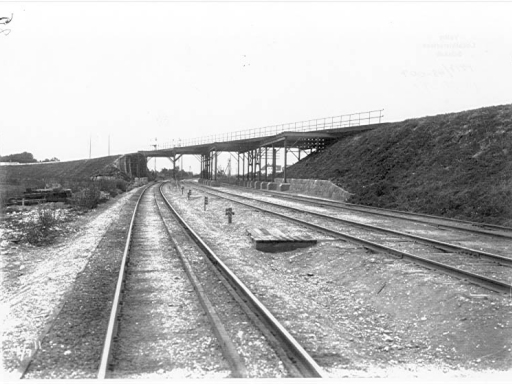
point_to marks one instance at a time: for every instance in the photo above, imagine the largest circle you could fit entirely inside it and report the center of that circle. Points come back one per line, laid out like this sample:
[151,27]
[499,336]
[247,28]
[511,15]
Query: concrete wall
[318,188]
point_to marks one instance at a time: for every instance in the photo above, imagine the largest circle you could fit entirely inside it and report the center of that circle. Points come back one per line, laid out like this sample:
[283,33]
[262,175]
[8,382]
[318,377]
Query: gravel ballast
[359,314]
[73,346]
[51,277]
[163,330]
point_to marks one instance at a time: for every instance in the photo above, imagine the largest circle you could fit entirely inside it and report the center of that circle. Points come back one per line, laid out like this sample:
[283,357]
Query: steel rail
[419,218]
[116,303]
[365,208]
[483,281]
[474,223]
[237,365]
[435,243]
[305,363]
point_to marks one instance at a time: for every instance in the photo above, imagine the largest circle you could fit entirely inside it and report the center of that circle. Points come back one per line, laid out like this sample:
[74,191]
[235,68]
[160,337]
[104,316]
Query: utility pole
[90,145]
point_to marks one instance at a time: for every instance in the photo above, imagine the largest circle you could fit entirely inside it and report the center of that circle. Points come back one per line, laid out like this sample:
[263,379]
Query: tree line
[24,158]
[170,174]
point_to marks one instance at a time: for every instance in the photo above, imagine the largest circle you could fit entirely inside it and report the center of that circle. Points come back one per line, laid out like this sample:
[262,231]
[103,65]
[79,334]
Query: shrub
[41,225]
[113,187]
[87,198]
[46,217]
[121,185]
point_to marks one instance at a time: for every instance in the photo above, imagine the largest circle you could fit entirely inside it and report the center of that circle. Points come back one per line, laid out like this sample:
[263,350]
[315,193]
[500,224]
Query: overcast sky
[140,71]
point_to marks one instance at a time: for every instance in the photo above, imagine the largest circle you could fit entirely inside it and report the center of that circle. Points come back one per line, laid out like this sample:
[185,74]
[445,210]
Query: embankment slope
[78,169]
[14,179]
[455,165]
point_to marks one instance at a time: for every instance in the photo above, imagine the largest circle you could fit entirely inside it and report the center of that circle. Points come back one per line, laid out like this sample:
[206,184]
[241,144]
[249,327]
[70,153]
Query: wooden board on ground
[274,240]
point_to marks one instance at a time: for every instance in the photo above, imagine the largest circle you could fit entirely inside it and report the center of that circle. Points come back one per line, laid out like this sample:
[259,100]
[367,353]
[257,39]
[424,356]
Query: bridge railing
[349,120]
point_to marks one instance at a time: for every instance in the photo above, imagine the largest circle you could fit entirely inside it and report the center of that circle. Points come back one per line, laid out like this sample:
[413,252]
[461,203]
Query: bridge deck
[303,140]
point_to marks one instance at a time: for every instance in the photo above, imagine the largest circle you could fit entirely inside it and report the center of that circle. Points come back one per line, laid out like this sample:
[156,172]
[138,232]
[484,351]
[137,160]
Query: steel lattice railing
[326,123]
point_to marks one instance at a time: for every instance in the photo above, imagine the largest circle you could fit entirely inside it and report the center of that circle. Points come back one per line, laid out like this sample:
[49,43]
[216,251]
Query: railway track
[439,222]
[346,307]
[156,322]
[490,245]
[487,269]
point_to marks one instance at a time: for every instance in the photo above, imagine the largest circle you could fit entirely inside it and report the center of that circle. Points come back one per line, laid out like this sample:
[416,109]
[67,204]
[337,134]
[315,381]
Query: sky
[76,75]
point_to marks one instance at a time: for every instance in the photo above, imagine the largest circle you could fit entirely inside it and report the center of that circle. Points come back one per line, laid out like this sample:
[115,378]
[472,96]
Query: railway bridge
[257,149]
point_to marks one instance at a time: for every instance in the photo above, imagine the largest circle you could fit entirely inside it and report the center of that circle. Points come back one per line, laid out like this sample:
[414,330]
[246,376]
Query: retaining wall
[318,188]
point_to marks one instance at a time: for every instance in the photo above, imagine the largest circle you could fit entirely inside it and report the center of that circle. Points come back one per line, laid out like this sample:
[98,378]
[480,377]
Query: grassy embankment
[456,165]
[14,179]
[42,224]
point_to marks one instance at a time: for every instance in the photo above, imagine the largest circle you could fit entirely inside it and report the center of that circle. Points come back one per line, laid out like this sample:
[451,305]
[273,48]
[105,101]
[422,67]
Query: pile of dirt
[455,165]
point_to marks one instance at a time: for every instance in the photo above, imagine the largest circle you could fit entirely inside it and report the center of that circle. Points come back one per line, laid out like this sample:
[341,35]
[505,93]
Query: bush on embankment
[456,165]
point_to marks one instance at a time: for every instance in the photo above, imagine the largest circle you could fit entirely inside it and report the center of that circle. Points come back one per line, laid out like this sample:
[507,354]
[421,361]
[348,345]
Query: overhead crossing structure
[257,151]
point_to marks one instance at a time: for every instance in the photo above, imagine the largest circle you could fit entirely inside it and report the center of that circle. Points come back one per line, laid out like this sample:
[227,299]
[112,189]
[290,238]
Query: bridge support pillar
[274,155]
[174,166]
[215,171]
[243,167]
[237,167]
[266,164]
[285,152]
[201,168]
[251,165]
[259,164]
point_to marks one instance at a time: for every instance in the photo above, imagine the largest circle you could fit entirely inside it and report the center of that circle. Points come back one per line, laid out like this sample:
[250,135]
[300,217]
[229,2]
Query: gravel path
[51,277]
